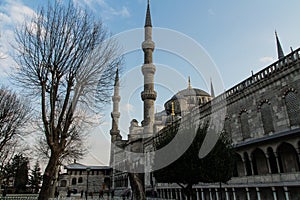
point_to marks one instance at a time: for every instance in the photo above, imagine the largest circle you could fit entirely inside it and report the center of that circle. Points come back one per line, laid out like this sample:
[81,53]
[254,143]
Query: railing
[261,75]
[20,197]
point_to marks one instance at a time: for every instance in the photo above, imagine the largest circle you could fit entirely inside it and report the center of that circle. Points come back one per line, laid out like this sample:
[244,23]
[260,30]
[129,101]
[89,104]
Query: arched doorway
[239,166]
[288,158]
[259,161]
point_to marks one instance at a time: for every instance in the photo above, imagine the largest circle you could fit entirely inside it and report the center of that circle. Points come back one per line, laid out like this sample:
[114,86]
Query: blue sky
[238,36]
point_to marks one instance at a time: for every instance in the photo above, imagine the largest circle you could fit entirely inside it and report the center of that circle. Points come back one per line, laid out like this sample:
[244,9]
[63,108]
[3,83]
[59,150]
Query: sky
[219,40]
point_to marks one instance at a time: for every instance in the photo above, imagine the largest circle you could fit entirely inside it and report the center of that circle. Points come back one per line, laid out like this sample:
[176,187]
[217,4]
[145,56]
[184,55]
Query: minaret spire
[279,48]
[148,16]
[148,69]
[189,83]
[212,91]
[115,114]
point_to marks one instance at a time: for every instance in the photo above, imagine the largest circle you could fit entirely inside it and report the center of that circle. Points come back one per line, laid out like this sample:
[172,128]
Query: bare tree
[14,114]
[68,63]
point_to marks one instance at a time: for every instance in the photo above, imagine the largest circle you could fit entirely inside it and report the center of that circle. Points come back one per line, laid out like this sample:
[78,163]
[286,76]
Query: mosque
[262,119]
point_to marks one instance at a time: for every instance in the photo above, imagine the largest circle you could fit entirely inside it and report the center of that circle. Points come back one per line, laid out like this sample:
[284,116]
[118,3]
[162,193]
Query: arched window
[73,181]
[80,180]
[227,126]
[244,125]
[266,117]
[293,108]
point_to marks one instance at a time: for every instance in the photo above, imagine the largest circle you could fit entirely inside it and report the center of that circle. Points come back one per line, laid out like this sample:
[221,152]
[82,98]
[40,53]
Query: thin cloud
[128,107]
[107,10]
[12,14]
[266,59]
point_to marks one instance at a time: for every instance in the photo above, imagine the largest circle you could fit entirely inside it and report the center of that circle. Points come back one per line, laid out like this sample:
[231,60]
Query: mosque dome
[186,99]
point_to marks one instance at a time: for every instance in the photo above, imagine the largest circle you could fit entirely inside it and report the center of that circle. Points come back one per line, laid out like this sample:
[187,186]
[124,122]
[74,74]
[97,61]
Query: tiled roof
[78,166]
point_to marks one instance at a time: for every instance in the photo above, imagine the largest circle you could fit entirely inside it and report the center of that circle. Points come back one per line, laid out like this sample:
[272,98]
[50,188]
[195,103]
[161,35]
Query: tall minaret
[148,69]
[279,48]
[115,114]
[212,91]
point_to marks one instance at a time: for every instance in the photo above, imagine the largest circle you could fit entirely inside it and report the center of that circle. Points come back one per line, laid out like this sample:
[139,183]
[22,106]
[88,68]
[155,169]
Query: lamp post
[87,182]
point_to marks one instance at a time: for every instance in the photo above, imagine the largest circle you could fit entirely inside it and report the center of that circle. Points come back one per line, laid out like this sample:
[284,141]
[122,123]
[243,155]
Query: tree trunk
[189,191]
[48,177]
[137,186]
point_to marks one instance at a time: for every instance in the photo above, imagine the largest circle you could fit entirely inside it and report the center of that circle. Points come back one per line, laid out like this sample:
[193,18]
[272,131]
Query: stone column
[226,193]
[210,195]
[244,163]
[274,193]
[176,194]
[251,165]
[233,193]
[258,193]
[168,193]
[268,163]
[197,192]
[248,194]
[180,195]
[217,194]
[286,193]
[202,194]
[277,162]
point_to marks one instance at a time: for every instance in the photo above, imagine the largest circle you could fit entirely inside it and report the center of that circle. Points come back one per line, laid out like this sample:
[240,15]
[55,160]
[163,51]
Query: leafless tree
[14,114]
[67,62]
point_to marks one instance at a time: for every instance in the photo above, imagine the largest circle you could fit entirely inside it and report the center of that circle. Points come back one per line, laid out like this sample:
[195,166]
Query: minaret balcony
[115,115]
[148,69]
[148,44]
[148,94]
[116,98]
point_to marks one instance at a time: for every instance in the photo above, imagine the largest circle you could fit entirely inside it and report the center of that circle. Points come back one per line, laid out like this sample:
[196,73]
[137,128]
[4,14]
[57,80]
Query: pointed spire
[189,83]
[117,77]
[148,16]
[279,48]
[212,92]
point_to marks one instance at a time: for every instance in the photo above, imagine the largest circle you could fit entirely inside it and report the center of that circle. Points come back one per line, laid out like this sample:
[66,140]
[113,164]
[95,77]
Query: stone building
[79,177]
[262,118]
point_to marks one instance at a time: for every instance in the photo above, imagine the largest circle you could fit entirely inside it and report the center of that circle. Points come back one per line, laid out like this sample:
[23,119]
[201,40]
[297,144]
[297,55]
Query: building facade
[80,178]
[262,117]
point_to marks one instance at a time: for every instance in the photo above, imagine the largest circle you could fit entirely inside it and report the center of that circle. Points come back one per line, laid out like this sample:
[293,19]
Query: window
[244,125]
[73,181]
[293,108]
[63,183]
[227,126]
[80,180]
[266,117]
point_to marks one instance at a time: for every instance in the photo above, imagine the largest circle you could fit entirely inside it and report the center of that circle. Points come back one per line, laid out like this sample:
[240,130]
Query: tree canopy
[189,169]
[67,64]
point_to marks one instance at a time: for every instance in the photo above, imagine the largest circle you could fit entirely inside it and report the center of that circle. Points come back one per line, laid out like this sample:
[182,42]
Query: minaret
[148,69]
[115,114]
[279,48]
[212,91]
[189,83]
